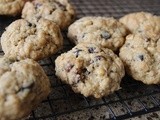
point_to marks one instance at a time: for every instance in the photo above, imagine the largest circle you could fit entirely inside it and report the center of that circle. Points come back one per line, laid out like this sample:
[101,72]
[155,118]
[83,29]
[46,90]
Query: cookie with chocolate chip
[90,70]
[11,7]
[58,11]
[141,57]
[23,86]
[23,39]
[106,32]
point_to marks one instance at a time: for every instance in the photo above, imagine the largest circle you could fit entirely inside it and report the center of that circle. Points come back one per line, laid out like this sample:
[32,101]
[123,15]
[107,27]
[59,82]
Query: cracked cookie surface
[58,11]
[23,40]
[11,7]
[23,86]
[141,58]
[107,32]
[90,70]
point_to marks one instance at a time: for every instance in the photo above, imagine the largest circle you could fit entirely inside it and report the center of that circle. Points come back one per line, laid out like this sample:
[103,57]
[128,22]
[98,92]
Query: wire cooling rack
[133,99]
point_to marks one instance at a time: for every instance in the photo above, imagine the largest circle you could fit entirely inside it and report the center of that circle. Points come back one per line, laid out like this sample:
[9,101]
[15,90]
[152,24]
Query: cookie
[11,7]
[90,70]
[133,20]
[106,32]
[23,86]
[150,28]
[23,39]
[58,11]
[141,58]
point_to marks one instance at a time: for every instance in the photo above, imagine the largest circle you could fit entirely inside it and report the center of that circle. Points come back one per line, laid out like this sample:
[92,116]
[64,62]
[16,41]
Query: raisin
[105,35]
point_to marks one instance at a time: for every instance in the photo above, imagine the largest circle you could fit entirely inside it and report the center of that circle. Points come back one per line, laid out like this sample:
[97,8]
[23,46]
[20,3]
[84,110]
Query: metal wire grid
[134,99]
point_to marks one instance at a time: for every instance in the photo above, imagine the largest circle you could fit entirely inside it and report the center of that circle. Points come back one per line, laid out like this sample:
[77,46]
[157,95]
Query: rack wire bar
[133,99]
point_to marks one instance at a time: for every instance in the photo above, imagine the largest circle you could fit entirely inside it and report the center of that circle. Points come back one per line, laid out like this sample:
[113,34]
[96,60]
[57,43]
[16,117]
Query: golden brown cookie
[11,7]
[90,70]
[141,58]
[23,39]
[23,85]
[106,32]
[58,11]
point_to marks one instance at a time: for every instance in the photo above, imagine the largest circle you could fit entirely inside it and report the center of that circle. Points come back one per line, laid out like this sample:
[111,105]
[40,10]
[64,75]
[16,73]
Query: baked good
[150,28]
[23,86]
[133,20]
[141,58]
[58,11]
[90,70]
[23,39]
[107,32]
[11,7]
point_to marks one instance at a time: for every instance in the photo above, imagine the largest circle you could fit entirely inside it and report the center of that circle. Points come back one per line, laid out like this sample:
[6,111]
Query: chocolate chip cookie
[11,7]
[90,70]
[58,11]
[23,85]
[133,20]
[23,39]
[141,57]
[107,32]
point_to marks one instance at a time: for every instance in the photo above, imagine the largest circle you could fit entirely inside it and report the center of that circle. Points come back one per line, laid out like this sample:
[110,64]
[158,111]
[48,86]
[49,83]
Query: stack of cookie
[23,83]
[91,67]
[141,51]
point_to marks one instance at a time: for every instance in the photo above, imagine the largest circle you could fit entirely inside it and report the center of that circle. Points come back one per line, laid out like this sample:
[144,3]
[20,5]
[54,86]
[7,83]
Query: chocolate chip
[105,35]
[85,71]
[148,39]
[141,57]
[91,50]
[51,11]
[29,24]
[77,52]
